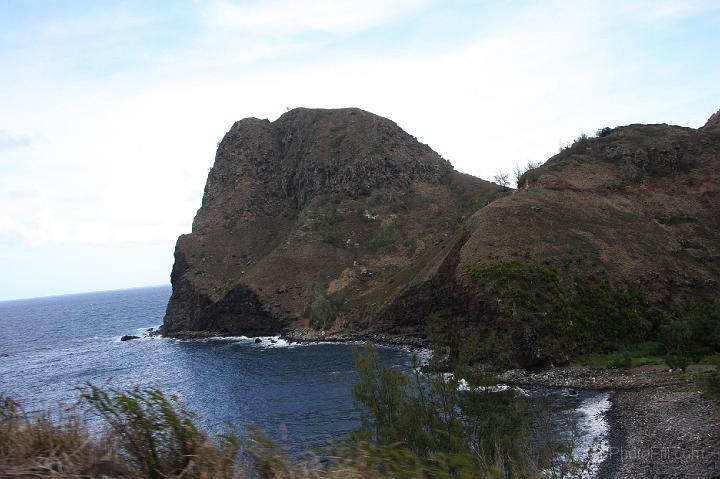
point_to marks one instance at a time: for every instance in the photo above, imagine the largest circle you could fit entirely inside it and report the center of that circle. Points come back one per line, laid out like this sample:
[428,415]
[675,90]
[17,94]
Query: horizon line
[62,295]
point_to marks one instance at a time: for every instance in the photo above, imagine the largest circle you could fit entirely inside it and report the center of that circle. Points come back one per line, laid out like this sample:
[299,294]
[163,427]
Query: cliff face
[318,219]
[338,220]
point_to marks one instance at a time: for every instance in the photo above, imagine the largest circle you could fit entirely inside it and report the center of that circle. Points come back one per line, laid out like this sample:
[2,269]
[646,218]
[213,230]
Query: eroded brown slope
[321,218]
[642,204]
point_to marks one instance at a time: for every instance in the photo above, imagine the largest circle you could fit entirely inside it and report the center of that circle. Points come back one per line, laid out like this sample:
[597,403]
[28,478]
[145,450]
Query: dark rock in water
[258,340]
[129,337]
[155,333]
[150,329]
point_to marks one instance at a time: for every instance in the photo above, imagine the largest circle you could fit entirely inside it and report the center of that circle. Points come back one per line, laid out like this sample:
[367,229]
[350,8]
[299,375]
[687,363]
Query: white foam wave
[463,385]
[273,342]
[588,438]
[145,331]
[593,443]
[265,342]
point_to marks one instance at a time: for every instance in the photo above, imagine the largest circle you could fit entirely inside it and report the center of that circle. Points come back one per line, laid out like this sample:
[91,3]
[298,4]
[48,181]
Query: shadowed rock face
[306,219]
[713,121]
[339,220]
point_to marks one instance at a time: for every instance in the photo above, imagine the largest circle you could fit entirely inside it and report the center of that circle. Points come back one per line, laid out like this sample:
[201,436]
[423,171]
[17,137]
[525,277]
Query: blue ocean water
[299,394]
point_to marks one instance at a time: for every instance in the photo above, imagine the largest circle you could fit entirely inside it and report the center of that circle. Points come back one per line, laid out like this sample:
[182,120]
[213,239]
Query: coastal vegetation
[587,318]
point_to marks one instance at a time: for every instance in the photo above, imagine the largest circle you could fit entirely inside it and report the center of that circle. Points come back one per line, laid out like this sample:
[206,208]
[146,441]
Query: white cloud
[10,140]
[10,228]
[98,20]
[289,16]
[652,11]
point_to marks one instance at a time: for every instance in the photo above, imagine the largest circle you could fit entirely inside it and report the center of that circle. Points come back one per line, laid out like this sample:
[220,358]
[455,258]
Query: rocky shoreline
[312,336]
[663,432]
[598,379]
[660,425]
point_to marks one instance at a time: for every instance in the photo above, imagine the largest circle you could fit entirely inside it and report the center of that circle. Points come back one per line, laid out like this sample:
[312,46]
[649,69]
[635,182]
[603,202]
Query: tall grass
[57,444]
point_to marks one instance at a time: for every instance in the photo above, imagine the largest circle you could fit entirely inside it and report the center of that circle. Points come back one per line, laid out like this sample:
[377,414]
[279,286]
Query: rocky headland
[337,223]
[322,219]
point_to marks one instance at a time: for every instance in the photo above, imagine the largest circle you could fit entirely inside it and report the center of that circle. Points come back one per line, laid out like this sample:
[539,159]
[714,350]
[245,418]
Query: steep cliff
[321,219]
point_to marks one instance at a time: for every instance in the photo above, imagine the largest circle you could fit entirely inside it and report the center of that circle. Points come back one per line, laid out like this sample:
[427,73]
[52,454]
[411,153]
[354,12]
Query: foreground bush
[158,437]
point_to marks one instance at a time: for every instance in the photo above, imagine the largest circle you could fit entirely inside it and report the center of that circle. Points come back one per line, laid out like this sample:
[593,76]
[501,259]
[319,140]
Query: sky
[110,112]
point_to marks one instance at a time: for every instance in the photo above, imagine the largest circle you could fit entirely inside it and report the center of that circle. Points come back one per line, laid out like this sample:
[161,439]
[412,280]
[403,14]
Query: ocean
[299,394]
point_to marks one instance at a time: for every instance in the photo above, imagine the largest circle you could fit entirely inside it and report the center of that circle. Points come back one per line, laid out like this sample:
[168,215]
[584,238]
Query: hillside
[610,235]
[339,221]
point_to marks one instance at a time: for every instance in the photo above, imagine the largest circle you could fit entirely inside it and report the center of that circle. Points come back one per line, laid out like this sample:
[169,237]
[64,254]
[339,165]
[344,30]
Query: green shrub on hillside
[691,333]
[320,309]
[578,145]
[565,319]
[566,315]
[384,236]
[603,132]
[333,218]
[334,237]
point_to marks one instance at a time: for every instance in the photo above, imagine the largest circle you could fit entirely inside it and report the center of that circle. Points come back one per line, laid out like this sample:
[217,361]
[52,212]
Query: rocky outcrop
[338,221]
[319,219]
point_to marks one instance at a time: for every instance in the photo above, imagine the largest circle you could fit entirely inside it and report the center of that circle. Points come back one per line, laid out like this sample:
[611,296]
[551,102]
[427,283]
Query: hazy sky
[110,111]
